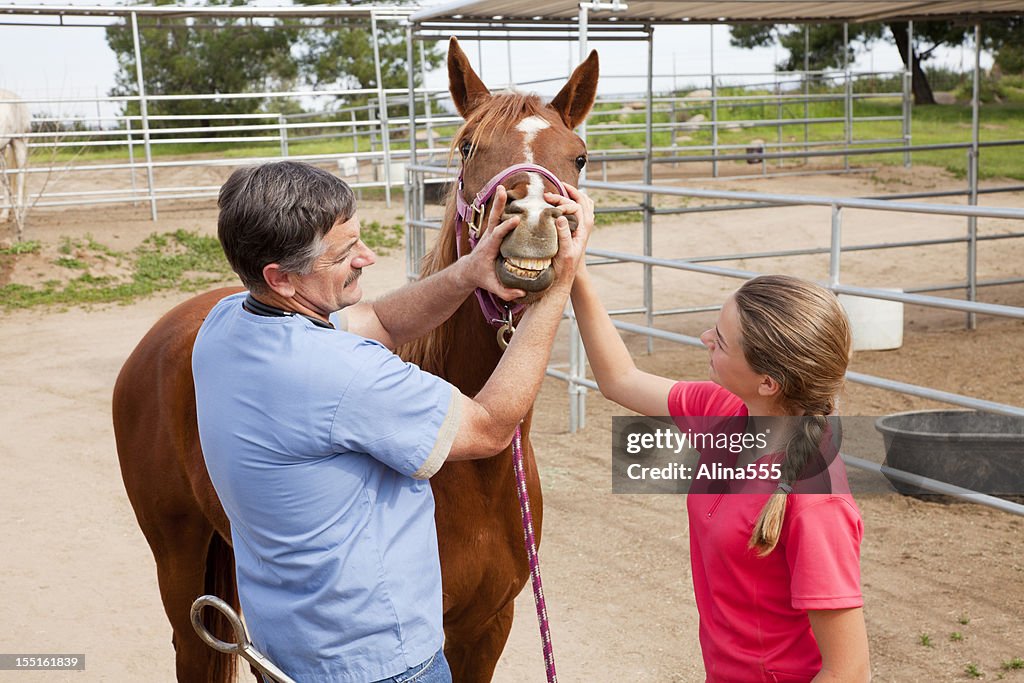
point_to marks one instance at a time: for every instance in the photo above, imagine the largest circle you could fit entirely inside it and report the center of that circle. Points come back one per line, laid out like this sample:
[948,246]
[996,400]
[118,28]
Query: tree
[339,53]
[826,43]
[182,56]
[1007,38]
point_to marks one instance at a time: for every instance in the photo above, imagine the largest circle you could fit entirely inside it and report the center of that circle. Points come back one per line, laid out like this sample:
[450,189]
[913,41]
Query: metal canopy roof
[726,11]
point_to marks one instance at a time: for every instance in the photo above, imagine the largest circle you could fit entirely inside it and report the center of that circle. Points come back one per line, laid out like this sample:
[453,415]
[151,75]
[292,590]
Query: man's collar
[257,307]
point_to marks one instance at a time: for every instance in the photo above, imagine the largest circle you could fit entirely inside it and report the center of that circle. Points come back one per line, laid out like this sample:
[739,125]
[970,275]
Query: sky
[65,64]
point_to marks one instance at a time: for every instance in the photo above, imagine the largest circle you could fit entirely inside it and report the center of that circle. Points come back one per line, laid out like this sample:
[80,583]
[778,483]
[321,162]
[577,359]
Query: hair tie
[786,488]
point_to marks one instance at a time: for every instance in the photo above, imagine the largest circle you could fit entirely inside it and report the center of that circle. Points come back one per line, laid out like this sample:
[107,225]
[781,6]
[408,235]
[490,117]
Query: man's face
[334,281]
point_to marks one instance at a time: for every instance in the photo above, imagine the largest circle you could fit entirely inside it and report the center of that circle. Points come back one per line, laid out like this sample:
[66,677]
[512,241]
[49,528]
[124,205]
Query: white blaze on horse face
[529,127]
[533,202]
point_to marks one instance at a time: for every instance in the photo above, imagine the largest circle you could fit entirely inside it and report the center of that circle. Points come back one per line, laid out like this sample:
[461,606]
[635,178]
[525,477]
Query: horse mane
[491,117]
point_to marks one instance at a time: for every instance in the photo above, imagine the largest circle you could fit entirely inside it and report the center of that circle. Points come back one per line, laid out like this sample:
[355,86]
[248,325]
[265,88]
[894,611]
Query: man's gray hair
[279,213]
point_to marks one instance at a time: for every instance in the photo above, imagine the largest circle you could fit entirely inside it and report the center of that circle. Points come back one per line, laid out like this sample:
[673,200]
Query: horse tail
[220,581]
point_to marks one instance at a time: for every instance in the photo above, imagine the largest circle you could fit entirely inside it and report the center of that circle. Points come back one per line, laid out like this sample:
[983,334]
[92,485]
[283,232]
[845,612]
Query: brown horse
[483,561]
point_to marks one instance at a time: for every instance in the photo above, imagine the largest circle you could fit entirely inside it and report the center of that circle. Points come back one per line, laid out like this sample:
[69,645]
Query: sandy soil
[78,577]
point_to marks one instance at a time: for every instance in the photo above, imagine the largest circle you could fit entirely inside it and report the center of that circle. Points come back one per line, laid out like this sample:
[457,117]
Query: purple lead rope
[531,552]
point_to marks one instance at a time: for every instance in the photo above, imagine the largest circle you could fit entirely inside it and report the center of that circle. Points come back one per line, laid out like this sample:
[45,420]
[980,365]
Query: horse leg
[182,571]
[474,654]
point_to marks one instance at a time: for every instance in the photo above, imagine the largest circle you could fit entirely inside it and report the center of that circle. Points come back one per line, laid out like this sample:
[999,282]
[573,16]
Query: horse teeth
[530,264]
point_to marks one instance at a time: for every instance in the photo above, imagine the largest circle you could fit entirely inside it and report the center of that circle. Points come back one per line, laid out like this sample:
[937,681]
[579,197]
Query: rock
[691,124]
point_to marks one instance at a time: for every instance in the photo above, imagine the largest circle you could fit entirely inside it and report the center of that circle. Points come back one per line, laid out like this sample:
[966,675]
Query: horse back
[154,415]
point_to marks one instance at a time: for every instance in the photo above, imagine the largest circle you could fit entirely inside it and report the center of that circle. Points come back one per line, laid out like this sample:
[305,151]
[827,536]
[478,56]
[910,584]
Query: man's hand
[479,264]
[571,246]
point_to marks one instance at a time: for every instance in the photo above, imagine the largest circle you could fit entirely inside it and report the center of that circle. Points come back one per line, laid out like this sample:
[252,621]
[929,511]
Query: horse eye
[581,161]
[465,148]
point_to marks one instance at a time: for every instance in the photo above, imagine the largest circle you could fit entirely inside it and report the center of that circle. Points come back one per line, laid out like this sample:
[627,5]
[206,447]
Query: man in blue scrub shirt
[320,440]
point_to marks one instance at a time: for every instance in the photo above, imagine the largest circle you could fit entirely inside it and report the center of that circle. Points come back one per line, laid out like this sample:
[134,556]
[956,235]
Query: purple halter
[497,312]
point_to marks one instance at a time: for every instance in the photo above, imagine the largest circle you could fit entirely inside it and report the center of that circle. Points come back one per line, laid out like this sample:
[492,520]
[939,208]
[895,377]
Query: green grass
[930,125]
[1013,664]
[29,247]
[181,260]
[382,238]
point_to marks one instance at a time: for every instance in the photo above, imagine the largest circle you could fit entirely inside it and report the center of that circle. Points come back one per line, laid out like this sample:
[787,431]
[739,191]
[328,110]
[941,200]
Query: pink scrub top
[753,610]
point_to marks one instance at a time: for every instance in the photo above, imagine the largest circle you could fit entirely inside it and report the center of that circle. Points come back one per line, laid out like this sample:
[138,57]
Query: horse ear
[574,100]
[467,90]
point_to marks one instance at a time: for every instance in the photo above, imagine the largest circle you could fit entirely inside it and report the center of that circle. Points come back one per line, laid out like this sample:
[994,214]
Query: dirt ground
[943,583]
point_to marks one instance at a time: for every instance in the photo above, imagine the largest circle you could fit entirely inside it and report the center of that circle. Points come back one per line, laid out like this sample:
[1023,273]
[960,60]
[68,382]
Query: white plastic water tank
[348,166]
[876,324]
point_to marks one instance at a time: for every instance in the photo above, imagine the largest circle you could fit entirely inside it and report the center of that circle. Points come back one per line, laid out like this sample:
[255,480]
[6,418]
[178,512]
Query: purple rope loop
[531,552]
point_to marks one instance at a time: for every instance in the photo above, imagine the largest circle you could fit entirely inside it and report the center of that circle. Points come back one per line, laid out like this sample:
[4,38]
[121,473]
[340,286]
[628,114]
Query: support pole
[282,124]
[714,107]
[649,198]
[383,99]
[144,109]
[972,178]
[848,90]
[807,84]
[908,95]
[426,96]
[508,58]
[835,246]
[577,353]
[411,194]
[131,156]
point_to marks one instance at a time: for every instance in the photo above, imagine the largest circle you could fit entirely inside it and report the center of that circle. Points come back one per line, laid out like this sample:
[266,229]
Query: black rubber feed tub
[983,452]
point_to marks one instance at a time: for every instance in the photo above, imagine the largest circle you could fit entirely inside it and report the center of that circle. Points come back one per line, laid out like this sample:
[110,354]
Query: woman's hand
[576,204]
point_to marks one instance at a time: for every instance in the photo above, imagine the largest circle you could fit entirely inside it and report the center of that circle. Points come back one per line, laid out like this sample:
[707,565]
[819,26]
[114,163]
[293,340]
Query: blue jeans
[434,670]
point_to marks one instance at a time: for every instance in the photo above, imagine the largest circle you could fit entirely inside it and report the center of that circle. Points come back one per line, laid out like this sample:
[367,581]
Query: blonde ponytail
[797,333]
[802,448]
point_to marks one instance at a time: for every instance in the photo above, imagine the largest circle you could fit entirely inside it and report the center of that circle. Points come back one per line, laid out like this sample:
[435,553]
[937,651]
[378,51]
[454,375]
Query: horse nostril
[573,222]
[513,210]
[550,214]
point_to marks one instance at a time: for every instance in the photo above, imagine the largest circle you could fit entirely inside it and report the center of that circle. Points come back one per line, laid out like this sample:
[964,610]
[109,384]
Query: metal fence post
[714,108]
[972,177]
[835,246]
[283,123]
[649,198]
[848,99]
[778,114]
[131,156]
[144,108]
[807,85]
[908,95]
[383,98]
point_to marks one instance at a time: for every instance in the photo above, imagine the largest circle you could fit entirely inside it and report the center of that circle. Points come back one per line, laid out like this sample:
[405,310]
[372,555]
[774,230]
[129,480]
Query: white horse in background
[15,123]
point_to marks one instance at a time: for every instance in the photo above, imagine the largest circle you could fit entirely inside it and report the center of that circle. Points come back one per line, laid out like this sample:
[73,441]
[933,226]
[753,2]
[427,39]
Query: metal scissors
[243,646]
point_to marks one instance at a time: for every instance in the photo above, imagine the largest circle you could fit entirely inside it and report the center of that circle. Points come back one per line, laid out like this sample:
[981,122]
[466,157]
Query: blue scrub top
[319,443]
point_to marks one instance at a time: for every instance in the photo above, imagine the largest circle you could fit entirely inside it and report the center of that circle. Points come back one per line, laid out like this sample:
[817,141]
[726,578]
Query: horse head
[504,130]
